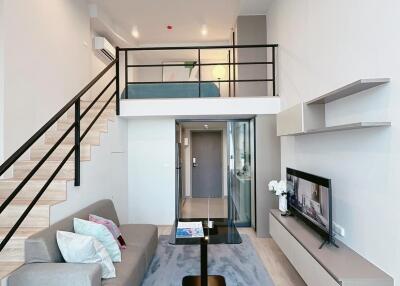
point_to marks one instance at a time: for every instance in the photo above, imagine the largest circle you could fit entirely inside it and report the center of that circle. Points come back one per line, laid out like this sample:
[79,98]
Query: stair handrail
[75,101]
[17,154]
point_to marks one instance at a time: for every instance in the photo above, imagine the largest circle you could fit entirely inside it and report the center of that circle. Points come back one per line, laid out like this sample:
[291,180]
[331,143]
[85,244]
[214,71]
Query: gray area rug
[238,263]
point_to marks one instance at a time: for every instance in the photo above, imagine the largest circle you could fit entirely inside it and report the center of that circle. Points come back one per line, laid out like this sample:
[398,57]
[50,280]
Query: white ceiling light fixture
[135,32]
[204,30]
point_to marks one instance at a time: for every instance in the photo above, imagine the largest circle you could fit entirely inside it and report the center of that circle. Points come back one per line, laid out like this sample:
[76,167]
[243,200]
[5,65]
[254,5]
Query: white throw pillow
[76,248]
[102,234]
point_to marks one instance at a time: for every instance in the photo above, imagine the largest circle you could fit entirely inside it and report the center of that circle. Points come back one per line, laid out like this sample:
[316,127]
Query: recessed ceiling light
[204,30]
[135,32]
[206,126]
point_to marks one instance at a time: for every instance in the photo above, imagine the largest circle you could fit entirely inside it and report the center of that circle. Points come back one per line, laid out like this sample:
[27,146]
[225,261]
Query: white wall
[1,80]
[47,61]
[323,45]
[151,170]
[105,176]
[196,107]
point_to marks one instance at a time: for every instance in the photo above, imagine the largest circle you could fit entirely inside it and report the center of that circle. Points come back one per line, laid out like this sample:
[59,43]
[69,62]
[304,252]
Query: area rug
[238,263]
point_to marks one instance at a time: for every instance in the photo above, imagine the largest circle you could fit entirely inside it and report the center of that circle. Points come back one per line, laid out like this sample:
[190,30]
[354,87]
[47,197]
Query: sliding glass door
[240,172]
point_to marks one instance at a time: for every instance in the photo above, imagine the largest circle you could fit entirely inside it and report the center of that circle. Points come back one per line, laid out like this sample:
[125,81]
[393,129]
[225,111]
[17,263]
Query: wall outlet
[339,230]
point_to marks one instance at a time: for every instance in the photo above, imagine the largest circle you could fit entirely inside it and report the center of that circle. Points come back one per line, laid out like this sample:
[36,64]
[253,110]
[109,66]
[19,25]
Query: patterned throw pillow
[111,226]
[102,234]
[76,248]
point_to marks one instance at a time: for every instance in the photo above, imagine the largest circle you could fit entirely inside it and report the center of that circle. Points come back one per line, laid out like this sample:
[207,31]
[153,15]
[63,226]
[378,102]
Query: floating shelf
[350,89]
[351,126]
[309,117]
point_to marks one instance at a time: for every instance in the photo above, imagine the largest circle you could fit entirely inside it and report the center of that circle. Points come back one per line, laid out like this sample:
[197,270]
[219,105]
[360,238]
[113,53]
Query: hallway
[197,208]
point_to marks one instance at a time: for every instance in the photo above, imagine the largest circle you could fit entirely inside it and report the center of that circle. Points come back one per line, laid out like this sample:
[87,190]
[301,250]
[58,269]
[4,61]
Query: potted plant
[280,189]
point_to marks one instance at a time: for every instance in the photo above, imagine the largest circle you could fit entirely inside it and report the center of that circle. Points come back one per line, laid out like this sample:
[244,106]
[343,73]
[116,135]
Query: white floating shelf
[350,89]
[309,117]
[351,126]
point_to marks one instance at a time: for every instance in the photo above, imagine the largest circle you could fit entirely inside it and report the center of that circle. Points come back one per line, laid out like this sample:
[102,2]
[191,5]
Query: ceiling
[254,7]
[187,18]
[213,125]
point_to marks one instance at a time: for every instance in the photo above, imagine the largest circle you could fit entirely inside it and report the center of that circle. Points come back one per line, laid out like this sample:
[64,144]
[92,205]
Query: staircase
[12,256]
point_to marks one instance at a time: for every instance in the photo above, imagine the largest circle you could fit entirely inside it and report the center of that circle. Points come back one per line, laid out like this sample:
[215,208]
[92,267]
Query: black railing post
[229,71]
[199,62]
[117,81]
[273,72]
[234,62]
[126,74]
[77,143]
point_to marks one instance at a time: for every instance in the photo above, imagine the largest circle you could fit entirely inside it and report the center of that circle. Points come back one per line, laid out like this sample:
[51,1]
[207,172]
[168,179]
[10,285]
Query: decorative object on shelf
[280,189]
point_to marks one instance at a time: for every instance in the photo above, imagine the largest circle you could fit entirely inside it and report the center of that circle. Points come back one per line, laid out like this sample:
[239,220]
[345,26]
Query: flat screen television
[310,197]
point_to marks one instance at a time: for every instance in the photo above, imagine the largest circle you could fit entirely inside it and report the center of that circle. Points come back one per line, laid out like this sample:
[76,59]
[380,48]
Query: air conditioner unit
[101,43]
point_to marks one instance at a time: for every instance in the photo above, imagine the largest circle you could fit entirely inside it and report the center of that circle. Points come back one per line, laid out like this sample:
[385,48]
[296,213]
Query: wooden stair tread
[22,232]
[17,202]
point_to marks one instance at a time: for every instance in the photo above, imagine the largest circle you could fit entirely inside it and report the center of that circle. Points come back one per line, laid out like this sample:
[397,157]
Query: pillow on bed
[111,226]
[76,248]
[102,234]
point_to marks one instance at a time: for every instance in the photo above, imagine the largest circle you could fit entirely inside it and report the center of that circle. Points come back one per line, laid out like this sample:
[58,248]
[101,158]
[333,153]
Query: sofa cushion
[101,233]
[63,274]
[142,235]
[42,246]
[130,272]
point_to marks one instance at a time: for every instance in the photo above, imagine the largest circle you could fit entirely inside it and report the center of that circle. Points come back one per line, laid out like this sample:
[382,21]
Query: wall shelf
[351,126]
[309,117]
[350,89]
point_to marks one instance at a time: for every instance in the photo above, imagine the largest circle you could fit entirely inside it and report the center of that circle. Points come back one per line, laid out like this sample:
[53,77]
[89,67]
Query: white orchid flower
[272,185]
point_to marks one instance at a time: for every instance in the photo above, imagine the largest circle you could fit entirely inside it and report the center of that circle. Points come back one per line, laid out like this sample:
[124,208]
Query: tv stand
[327,266]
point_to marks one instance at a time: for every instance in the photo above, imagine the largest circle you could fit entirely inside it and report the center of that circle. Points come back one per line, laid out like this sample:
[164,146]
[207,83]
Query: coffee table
[223,231]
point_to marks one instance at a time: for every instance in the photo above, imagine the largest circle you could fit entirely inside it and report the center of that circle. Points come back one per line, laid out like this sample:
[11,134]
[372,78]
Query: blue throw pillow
[102,234]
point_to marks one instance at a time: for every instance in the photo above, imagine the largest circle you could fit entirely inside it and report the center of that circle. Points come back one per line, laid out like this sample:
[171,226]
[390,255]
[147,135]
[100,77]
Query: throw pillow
[76,248]
[102,234]
[111,226]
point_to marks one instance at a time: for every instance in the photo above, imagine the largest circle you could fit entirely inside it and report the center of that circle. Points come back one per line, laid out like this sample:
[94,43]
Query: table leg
[204,262]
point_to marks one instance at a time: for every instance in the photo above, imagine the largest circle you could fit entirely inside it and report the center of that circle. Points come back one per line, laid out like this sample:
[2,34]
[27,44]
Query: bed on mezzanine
[171,90]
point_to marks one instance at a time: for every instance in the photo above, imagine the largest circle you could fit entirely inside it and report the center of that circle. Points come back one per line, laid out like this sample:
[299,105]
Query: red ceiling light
[169,27]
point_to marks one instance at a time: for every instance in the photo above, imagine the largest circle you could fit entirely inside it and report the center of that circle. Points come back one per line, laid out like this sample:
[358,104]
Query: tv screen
[310,196]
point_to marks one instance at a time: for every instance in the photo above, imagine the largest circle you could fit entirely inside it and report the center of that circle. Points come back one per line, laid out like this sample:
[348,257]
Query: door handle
[195,164]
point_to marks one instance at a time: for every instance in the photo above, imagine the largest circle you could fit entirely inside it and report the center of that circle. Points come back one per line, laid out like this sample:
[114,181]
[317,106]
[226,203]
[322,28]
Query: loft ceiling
[187,18]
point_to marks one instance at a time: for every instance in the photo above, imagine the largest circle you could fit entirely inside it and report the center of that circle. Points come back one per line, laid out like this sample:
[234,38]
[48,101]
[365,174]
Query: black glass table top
[223,231]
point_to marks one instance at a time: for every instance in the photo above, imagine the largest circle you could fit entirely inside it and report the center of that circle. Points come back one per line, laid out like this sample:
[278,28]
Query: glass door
[240,173]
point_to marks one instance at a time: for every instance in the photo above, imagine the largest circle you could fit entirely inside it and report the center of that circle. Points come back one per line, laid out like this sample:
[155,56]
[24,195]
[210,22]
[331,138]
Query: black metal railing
[231,63]
[76,126]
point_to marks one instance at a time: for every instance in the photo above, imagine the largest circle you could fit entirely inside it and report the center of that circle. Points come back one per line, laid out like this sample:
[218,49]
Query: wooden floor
[276,263]
[198,208]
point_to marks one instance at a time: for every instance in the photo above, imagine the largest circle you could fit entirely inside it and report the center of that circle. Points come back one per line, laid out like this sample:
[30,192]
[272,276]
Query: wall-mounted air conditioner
[101,43]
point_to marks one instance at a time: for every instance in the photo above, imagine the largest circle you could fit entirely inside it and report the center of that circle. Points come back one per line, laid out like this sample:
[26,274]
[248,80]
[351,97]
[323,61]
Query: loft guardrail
[232,64]
[76,127]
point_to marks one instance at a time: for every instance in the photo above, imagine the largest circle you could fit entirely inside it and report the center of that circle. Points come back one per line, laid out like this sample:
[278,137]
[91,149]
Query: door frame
[221,132]
[254,193]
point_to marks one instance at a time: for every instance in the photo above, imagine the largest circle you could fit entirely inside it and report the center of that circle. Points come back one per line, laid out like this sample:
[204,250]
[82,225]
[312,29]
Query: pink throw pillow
[111,226]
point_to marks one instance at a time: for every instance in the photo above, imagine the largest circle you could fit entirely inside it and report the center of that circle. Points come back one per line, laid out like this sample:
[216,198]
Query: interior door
[207,164]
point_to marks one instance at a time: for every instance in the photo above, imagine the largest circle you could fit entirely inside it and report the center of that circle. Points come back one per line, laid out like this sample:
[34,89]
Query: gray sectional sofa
[45,265]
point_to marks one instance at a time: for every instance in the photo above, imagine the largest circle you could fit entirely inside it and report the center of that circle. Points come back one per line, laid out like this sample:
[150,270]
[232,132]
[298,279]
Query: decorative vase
[283,203]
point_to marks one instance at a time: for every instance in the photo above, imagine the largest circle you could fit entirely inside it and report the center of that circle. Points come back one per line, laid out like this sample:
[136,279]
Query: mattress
[171,90]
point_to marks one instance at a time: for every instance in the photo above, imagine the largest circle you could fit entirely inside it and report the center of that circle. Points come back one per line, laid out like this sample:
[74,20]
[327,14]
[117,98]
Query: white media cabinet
[329,266]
